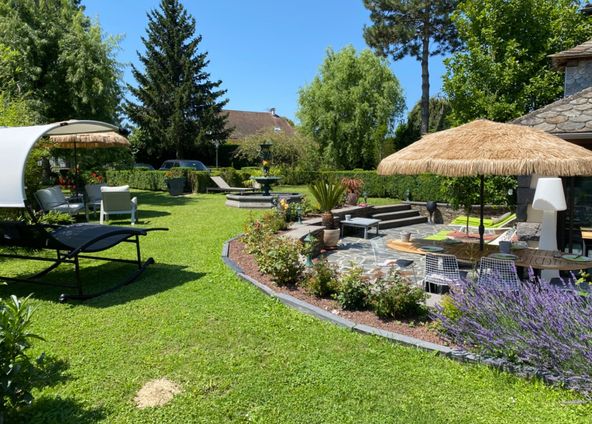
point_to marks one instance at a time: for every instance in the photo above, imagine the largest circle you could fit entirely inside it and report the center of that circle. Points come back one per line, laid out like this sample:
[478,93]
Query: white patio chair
[498,273]
[117,201]
[53,199]
[93,196]
[441,272]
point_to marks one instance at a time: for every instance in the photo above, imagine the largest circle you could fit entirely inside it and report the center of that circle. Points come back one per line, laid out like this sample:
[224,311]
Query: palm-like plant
[328,194]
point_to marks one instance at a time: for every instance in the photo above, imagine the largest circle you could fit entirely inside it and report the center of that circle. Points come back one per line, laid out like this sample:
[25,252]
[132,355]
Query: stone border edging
[317,312]
[529,373]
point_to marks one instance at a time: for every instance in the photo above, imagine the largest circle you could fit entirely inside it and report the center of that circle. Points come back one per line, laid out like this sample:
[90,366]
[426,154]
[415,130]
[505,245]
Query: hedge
[197,181]
[420,187]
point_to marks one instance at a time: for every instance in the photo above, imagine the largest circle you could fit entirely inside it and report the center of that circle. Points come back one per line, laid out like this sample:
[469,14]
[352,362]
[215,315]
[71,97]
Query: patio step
[403,222]
[390,208]
[388,216]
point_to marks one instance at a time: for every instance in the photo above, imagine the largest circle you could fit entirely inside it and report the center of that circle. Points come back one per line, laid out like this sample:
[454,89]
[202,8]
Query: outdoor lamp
[365,195]
[549,198]
[299,213]
[309,240]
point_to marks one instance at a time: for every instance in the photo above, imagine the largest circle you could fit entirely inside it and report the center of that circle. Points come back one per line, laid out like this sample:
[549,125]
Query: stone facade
[578,78]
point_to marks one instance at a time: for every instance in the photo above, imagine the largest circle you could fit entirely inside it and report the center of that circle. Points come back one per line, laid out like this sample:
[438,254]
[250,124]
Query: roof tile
[571,114]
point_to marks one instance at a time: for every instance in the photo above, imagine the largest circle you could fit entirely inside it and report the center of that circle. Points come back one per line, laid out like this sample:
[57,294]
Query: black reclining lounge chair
[71,242]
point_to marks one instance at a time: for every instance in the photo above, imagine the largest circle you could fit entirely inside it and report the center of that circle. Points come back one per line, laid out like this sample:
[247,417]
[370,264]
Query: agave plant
[328,194]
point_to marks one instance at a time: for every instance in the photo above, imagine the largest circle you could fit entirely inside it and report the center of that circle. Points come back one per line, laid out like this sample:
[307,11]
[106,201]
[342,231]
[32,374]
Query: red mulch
[419,330]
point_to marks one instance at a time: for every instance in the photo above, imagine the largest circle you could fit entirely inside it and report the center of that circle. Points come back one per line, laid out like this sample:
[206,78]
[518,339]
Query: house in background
[570,119]
[245,124]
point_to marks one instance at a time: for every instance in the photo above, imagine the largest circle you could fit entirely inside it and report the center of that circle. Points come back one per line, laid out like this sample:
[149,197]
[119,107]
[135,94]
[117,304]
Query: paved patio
[372,253]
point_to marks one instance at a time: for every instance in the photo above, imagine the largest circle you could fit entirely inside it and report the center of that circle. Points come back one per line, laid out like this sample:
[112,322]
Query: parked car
[184,163]
[145,166]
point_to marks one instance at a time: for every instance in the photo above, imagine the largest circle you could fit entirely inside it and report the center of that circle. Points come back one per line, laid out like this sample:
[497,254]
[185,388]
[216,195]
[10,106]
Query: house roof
[583,51]
[569,116]
[250,123]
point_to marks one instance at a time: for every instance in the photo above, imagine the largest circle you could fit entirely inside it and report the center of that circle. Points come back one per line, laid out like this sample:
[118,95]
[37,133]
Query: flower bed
[540,330]
[388,302]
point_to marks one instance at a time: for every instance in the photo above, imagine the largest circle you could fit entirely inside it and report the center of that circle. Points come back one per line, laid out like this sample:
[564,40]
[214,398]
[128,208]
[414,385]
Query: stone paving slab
[372,254]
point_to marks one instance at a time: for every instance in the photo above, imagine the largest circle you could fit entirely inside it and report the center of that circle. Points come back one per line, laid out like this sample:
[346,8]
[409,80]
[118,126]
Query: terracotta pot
[327,219]
[331,237]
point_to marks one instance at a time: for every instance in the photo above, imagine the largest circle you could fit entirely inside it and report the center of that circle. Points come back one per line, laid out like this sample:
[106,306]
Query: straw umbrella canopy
[94,140]
[89,141]
[482,148]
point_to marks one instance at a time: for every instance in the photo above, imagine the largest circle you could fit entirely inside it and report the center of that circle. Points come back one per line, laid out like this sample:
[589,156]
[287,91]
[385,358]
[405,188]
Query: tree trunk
[425,76]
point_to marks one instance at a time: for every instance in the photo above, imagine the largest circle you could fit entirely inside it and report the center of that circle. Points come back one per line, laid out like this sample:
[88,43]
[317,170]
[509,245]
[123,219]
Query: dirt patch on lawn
[156,393]
[419,330]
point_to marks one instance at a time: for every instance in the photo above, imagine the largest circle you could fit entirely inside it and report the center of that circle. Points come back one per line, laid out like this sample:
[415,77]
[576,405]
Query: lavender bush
[544,327]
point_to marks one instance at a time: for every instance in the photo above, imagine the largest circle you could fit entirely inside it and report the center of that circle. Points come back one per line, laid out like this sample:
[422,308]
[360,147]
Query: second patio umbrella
[482,148]
[88,141]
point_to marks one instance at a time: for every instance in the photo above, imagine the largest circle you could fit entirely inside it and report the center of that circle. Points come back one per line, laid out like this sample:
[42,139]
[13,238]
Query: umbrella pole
[481,226]
[76,176]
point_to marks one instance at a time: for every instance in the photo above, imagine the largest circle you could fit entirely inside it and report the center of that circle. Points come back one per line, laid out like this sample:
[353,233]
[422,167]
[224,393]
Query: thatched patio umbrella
[88,141]
[482,148]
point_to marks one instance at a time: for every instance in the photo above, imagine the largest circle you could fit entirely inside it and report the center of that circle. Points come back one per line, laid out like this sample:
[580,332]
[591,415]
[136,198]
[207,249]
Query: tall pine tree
[418,28]
[178,108]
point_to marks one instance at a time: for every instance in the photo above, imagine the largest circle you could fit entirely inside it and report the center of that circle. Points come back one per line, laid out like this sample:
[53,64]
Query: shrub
[56,218]
[279,257]
[353,290]
[255,232]
[322,279]
[18,372]
[541,326]
[393,297]
[197,181]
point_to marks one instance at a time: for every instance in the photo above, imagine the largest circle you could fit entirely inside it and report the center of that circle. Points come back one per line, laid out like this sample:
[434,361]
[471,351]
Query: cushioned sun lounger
[224,187]
[71,243]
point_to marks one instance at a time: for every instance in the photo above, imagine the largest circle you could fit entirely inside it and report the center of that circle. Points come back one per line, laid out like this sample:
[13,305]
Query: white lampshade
[549,195]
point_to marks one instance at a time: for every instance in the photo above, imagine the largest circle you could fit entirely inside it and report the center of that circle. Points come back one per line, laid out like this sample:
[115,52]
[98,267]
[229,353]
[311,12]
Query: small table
[364,223]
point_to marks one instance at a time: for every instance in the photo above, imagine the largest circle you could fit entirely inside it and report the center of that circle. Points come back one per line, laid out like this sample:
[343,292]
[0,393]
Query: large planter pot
[331,237]
[176,186]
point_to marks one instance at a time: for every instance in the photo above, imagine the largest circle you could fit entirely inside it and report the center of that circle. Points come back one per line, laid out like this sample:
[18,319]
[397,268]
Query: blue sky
[263,51]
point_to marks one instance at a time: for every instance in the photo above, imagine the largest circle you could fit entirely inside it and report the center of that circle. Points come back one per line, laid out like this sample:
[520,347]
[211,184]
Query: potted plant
[175,181]
[328,194]
[354,188]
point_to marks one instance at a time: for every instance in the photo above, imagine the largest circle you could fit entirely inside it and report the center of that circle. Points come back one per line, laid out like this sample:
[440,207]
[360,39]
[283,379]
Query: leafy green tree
[178,108]
[418,28]
[55,57]
[503,71]
[288,150]
[410,131]
[349,107]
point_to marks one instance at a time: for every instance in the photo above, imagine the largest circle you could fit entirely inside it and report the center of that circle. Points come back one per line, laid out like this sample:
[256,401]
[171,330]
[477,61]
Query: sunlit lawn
[241,356]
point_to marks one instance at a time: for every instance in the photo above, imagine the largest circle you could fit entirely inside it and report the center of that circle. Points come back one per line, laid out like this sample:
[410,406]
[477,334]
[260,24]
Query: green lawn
[376,201]
[241,356]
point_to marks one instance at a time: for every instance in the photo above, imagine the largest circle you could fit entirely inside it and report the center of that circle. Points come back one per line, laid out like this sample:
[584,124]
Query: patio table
[469,252]
[364,223]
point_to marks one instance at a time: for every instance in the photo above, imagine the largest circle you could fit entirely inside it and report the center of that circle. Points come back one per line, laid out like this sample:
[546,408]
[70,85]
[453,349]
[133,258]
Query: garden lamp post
[365,195]
[299,213]
[216,145]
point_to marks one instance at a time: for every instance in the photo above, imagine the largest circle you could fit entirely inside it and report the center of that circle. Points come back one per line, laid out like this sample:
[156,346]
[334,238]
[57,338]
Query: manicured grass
[376,201]
[241,356]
